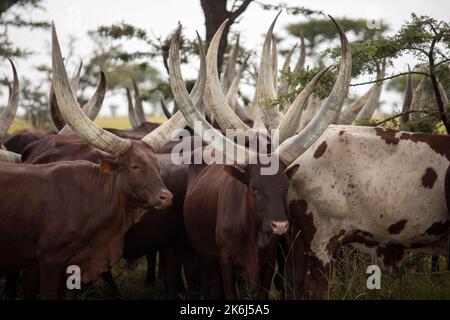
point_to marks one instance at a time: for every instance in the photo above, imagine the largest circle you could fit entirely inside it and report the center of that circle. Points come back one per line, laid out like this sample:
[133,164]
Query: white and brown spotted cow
[378,189]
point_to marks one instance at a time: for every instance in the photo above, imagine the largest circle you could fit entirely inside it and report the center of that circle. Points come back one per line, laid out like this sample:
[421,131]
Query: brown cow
[80,210]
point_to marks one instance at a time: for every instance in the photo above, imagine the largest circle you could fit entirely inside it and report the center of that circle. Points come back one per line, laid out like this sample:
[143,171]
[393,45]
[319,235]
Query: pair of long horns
[291,148]
[80,123]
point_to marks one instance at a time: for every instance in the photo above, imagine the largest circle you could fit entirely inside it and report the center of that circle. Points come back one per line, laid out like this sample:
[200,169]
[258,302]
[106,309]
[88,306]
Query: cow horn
[302,57]
[166,111]
[374,98]
[55,112]
[214,98]
[350,113]
[288,126]
[230,69]
[417,97]
[283,87]
[270,115]
[161,135]
[293,147]
[408,98]
[93,106]
[8,114]
[11,157]
[275,64]
[131,112]
[74,116]
[234,87]
[191,114]
[139,109]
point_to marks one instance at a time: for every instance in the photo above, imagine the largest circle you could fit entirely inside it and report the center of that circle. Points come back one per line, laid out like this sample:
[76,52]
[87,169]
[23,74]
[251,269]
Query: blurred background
[130,39]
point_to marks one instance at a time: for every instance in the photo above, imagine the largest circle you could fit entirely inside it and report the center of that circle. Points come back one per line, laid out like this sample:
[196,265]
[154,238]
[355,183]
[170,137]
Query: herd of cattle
[88,196]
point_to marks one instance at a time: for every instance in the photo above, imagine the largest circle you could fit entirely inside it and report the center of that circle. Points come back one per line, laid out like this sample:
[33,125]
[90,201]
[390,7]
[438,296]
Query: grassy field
[414,281]
[107,122]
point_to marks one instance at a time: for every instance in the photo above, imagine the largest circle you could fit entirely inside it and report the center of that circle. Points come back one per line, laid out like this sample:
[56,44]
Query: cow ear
[237,172]
[290,172]
[108,165]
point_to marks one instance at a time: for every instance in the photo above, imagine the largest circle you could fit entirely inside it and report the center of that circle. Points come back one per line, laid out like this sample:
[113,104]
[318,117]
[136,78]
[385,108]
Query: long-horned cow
[232,211]
[76,212]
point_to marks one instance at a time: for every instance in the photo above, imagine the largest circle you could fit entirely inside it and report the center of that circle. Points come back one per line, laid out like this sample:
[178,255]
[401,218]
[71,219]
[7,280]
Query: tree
[11,15]
[428,40]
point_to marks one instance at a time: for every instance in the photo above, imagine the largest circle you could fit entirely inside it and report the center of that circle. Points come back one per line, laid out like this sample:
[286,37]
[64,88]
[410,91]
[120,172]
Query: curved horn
[234,87]
[270,115]
[408,99]
[443,94]
[230,69]
[191,114]
[166,111]
[417,97]
[274,56]
[161,135]
[293,147]
[284,86]
[55,112]
[75,117]
[301,59]
[214,98]
[131,112]
[139,109]
[8,114]
[348,115]
[374,98]
[93,106]
[11,157]
[289,125]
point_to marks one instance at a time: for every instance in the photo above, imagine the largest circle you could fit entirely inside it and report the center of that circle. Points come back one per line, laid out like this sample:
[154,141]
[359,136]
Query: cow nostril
[165,196]
[280,226]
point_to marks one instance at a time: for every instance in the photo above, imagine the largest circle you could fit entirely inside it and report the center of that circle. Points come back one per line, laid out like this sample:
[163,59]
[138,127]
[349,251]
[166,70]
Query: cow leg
[191,266]
[11,282]
[151,267]
[111,284]
[172,272]
[31,281]
[279,279]
[211,284]
[228,276]
[50,280]
[434,263]
[162,265]
[267,269]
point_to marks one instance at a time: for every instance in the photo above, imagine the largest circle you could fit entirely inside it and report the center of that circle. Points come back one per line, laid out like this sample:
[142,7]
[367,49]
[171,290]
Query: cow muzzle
[280,227]
[165,199]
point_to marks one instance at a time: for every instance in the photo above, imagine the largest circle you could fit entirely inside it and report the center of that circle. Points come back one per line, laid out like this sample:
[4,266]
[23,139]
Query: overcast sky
[160,17]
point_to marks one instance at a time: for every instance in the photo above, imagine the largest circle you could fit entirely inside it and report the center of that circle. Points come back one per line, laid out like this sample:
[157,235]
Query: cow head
[138,176]
[267,194]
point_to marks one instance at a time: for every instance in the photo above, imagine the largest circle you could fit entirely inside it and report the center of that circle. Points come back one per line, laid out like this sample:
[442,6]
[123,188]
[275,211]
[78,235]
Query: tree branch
[399,115]
[235,14]
[391,77]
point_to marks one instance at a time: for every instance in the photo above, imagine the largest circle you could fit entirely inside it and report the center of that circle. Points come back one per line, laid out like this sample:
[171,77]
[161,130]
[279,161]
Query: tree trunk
[216,12]
[6,4]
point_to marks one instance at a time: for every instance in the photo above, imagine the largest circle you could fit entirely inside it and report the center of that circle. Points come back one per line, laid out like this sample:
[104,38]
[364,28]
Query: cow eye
[135,167]
[255,190]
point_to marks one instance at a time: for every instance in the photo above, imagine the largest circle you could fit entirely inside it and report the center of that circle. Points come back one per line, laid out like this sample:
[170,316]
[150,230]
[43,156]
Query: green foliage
[300,79]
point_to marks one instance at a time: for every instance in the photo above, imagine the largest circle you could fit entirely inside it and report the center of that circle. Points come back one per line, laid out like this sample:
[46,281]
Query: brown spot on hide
[429,178]
[298,210]
[397,227]
[320,150]
[438,228]
[388,135]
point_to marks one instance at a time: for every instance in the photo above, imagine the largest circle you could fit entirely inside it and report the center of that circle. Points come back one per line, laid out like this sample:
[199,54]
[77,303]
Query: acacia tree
[428,40]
